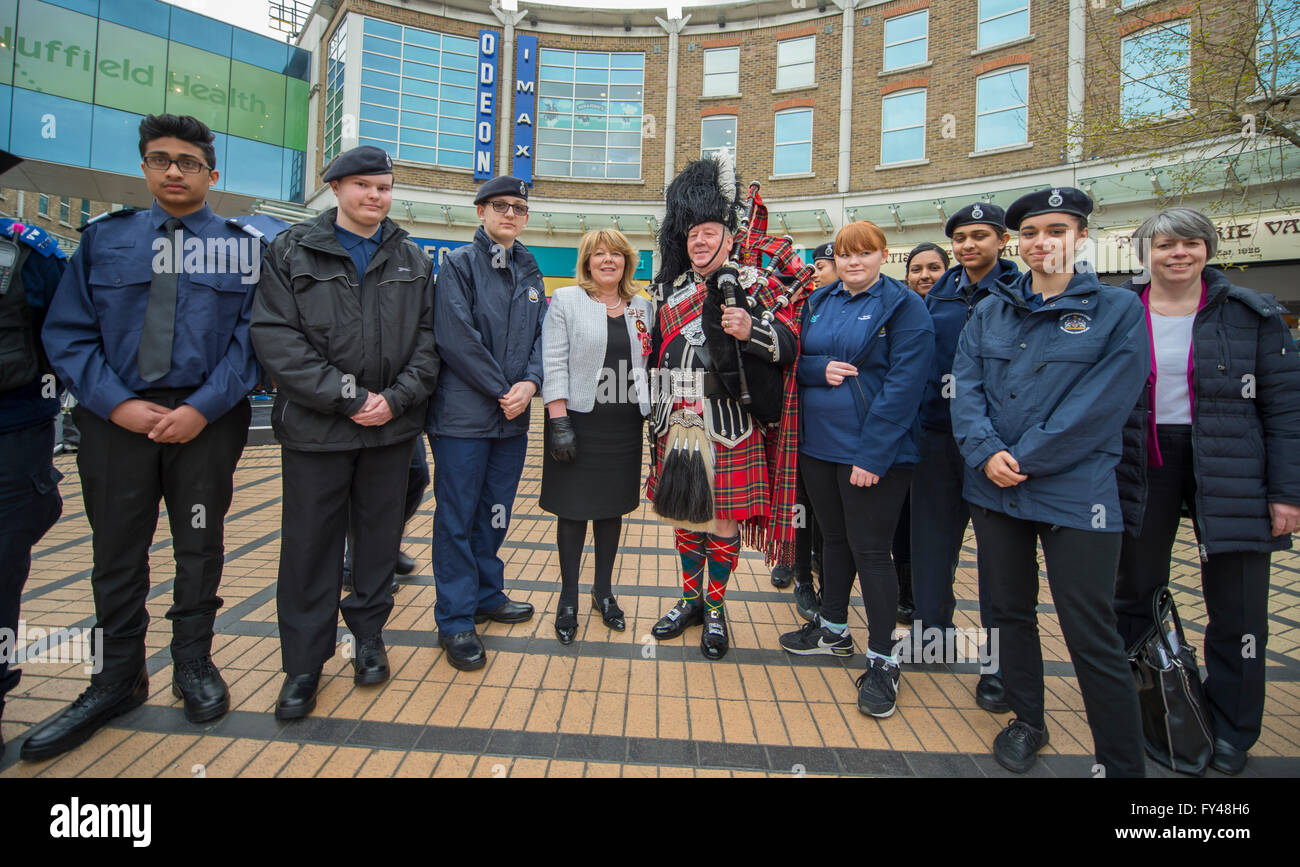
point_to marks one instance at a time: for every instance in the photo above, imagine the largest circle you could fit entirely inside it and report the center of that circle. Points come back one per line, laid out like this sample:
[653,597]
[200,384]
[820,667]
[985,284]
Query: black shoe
[680,616]
[1016,746]
[510,612]
[297,696]
[782,576]
[878,688]
[906,606]
[715,642]
[991,695]
[1227,758]
[370,665]
[566,624]
[807,600]
[86,715]
[813,639]
[199,683]
[464,650]
[405,565]
[610,613]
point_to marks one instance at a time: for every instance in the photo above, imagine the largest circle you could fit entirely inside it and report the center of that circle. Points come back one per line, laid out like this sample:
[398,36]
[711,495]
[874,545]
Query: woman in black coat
[1217,430]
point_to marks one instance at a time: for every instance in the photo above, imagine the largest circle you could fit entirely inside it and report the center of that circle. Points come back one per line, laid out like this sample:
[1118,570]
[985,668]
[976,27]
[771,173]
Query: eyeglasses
[501,207]
[162,162]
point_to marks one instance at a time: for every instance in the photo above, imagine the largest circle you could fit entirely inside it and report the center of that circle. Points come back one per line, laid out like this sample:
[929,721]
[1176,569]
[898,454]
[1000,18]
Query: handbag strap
[1164,600]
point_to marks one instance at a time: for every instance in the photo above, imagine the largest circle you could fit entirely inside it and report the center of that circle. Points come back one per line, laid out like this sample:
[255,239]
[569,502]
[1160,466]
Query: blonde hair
[614,241]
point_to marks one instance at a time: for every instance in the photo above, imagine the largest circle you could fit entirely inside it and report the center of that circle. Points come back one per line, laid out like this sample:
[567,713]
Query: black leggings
[570,536]
[857,527]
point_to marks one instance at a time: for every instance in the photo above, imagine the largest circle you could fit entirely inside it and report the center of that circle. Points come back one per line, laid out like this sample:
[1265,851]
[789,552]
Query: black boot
[683,614]
[715,641]
[906,605]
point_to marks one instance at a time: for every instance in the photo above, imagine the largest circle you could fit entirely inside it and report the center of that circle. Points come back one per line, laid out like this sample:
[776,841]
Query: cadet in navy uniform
[488,311]
[979,235]
[29,484]
[160,363]
[343,323]
[1046,372]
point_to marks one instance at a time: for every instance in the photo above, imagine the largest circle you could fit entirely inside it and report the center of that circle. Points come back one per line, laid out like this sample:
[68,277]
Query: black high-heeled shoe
[609,612]
[566,624]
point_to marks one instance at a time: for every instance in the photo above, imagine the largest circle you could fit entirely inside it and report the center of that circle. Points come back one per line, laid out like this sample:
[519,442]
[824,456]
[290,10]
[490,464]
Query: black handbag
[1176,726]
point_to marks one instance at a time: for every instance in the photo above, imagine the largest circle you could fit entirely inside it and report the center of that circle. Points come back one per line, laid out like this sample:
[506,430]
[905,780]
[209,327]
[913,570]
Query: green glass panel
[8,23]
[295,114]
[256,103]
[131,70]
[198,84]
[55,51]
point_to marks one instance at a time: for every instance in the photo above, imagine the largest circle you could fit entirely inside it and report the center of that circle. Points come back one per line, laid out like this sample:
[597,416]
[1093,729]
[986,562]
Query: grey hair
[1184,223]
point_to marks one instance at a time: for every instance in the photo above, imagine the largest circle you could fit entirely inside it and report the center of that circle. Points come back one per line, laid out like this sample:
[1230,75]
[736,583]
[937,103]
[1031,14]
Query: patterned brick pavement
[611,704]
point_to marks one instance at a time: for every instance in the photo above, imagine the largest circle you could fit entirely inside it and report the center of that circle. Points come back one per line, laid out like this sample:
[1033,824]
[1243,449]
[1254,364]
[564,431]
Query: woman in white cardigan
[595,341]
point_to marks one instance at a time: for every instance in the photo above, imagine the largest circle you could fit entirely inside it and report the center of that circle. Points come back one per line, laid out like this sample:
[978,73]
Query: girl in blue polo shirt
[867,346]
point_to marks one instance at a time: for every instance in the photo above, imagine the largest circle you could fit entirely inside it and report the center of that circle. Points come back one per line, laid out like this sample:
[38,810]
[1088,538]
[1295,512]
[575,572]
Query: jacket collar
[1219,288]
[1078,294]
[945,288]
[195,222]
[320,235]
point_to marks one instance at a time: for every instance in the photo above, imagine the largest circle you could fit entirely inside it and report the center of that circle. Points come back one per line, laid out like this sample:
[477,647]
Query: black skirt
[605,480]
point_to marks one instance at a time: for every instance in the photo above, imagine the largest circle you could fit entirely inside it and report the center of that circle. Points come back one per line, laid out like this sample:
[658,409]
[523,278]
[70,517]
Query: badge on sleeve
[533,296]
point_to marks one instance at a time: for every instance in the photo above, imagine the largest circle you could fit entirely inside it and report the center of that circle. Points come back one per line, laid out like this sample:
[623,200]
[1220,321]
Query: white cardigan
[574,334]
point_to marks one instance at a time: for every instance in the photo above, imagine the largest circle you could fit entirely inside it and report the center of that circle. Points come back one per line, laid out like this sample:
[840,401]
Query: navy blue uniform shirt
[361,249]
[92,333]
[23,407]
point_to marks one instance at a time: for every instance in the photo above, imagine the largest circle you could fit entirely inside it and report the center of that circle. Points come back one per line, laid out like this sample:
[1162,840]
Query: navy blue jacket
[1053,386]
[893,352]
[487,322]
[950,308]
[92,333]
[24,407]
[1245,422]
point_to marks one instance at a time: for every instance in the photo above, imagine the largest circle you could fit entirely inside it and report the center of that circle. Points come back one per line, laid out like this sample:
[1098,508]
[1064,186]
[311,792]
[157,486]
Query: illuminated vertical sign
[485,107]
[525,106]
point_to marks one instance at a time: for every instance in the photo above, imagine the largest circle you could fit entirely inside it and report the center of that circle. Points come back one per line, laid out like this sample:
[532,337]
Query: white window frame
[1273,45]
[788,68]
[704,152]
[724,89]
[1127,80]
[65,211]
[776,143]
[884,62]
[895,95]
[1024,106]
[980,20]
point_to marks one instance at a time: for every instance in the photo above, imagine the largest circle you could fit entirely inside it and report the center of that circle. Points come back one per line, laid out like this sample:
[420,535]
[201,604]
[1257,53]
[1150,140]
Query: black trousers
[938,531]
[29,506]
[417,482]
[1234,584]
[324,492]
[857,527]
[1081,571]
[124,475]
[808,537]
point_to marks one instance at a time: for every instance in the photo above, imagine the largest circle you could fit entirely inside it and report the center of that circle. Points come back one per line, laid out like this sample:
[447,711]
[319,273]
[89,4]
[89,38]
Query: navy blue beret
[824,251]
[364,160]
[1057,200]
[978,212]
[501,186]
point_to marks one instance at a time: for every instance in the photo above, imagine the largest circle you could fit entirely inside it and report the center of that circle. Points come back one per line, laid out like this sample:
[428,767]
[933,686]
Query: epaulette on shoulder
[107,215]
[36,238]
[252,230]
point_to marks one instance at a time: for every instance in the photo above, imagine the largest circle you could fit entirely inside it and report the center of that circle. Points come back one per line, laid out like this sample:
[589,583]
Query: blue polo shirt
[360,248]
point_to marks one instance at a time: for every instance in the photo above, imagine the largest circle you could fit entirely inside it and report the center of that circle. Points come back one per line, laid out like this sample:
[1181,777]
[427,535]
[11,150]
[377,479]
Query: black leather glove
[561,441]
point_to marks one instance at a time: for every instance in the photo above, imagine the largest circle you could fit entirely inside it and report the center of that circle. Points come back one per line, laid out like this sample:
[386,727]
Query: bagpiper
[725,420]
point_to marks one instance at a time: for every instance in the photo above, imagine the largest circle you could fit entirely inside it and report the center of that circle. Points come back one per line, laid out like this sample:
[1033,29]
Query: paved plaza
[611,704]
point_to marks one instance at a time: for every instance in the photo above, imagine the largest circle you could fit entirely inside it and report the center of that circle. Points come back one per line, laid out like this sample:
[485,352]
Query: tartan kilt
[740,478]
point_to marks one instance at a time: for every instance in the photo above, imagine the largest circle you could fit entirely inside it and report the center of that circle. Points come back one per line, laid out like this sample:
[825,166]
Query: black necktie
[160,315]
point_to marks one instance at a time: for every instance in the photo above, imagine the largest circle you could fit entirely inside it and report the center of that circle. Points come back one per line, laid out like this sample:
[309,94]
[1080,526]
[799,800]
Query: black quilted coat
[1245,424]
